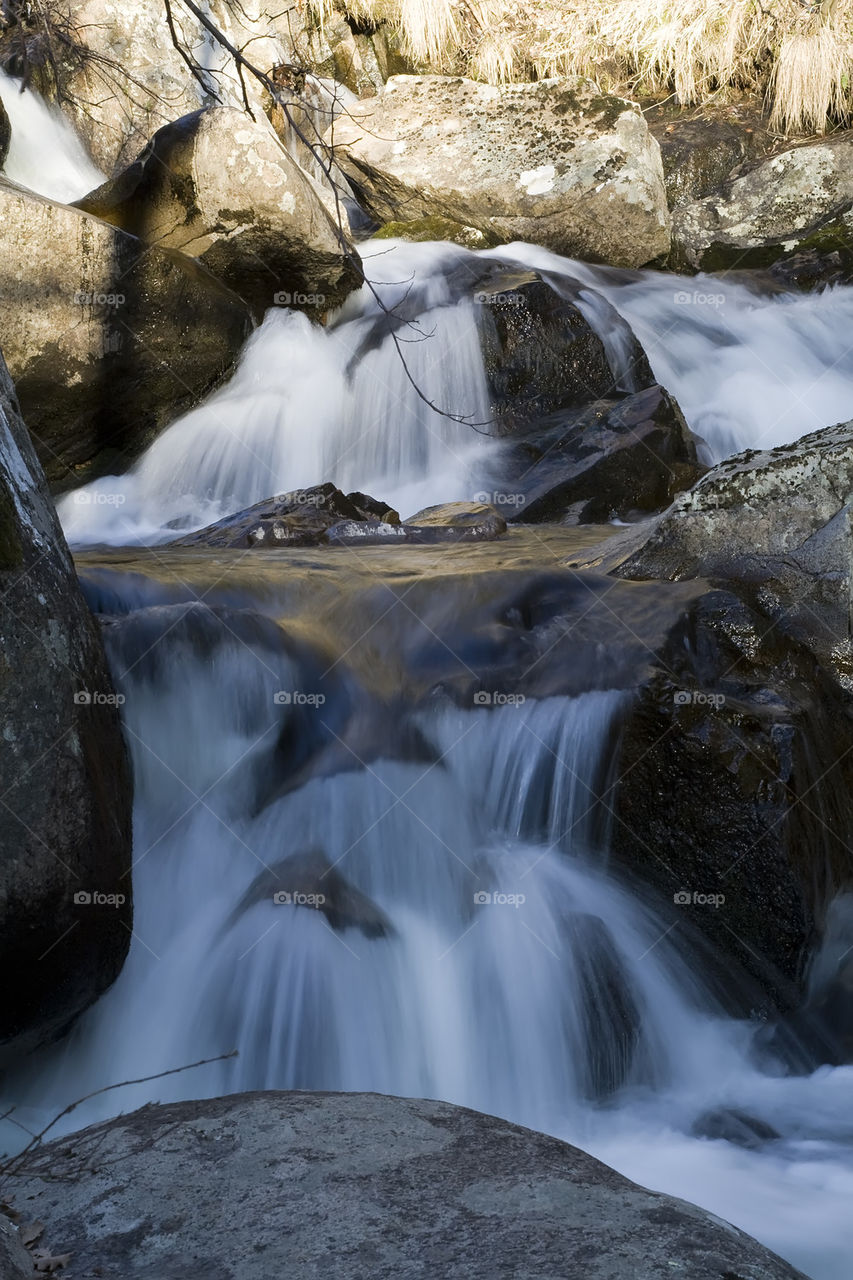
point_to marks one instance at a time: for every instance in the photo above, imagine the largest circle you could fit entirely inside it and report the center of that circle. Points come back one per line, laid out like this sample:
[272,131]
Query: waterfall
[309,404]
[45,154]
[474,944]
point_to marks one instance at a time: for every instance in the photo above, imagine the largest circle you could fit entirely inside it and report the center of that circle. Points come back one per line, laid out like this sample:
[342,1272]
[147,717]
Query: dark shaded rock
[107,340]
[372,508]
[220,187]
[310,881]
[540,352]
[701,149]
[5,134]
[613,459]
[736,757]
[297,519]
[361,1184]
[732,1125]
[66,811]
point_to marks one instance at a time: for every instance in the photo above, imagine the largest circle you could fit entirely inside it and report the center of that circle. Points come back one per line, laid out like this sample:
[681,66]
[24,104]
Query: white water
[576,1010]
[309,404]
[45,154]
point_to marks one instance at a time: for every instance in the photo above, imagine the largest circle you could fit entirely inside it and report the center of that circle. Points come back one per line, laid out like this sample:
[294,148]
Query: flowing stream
[477,946]
[45,154]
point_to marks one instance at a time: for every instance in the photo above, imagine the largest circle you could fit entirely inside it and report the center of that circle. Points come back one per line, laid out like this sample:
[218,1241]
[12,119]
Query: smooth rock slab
[359,1186]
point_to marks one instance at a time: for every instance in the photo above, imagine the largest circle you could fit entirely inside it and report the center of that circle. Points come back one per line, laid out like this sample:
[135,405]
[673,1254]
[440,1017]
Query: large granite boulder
[555,162]
[221,188]
[260,1185]
[300,518]
[107,339]
[797,201]
[65,840]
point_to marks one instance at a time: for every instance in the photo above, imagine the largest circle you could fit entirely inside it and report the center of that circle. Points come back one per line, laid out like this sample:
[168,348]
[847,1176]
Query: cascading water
[310,404]
[45,153]
[473,945]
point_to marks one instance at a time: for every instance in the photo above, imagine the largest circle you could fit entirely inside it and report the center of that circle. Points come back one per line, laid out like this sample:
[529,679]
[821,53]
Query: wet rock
[555,162]
[735,758]
[300,518]
[420,230]
[797,201]
[310,881]
[737,1127]
[108,341]
[362,1184]
[477,520]
[221,188]
[614,459]
[65,821]
[539,350]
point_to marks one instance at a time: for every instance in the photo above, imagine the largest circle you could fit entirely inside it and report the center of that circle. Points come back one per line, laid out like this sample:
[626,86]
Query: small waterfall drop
[309,404]
[45,154]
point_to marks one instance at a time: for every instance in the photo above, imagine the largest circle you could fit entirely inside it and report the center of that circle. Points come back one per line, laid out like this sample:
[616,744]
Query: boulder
[221,188]
[473,520]
[555,162]
[539,350]
[735,765]
[797,201]
[778,520]
[357,1185]
[297,519]
[65,820]
[612,460]
[107,340]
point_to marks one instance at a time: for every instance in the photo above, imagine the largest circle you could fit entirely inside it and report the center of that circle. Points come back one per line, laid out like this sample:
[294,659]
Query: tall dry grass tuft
[799,53]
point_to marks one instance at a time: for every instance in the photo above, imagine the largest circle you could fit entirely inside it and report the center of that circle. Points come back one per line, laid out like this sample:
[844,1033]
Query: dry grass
[797,53]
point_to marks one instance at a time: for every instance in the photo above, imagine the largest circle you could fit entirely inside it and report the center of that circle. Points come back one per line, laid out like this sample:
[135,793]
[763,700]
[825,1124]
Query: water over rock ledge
[263,1185]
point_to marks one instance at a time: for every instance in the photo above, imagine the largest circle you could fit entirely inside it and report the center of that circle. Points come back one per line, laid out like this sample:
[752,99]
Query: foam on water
[309,404]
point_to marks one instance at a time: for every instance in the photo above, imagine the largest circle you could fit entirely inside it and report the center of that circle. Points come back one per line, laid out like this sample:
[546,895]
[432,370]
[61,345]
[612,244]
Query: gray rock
[612,459]
[221,188]
[300,518]
[66,812]
[15,1262]
[107,340]
[477,520]
[555,162]
[260,1185]
[798,200]
[310,881]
